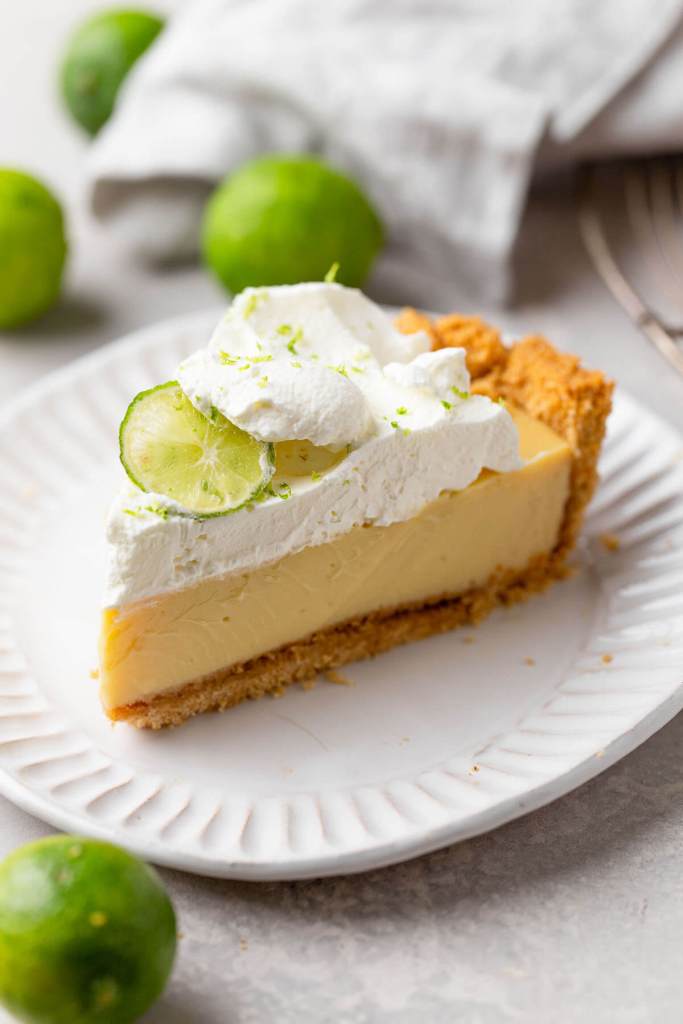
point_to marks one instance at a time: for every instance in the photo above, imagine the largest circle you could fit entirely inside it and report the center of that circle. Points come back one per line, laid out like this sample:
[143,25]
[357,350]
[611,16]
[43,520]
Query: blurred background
[497,158]
[446,141]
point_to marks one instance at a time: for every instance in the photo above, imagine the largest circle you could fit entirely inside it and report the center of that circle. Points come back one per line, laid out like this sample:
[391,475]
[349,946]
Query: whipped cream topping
[298,363]
[317,363]
[443,373]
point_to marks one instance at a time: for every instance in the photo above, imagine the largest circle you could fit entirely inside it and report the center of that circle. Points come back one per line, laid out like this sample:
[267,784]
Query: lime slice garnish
[208,466]
[301,458]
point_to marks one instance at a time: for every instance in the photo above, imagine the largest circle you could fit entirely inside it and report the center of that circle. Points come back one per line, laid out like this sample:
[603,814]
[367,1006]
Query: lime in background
[33,248]
[87,933]
[98,57]
[286,219]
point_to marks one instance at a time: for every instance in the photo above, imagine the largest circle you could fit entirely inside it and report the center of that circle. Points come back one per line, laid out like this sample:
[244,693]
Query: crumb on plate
[337,678]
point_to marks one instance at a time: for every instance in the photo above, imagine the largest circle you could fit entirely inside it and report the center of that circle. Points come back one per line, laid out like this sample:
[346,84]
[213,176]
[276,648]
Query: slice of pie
[352,485]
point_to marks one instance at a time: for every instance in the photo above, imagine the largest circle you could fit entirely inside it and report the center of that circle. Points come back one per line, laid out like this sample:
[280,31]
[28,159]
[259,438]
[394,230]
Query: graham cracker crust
[548,385]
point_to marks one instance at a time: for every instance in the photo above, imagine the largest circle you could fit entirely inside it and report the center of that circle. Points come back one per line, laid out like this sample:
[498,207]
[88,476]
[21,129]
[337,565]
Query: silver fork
[631,221]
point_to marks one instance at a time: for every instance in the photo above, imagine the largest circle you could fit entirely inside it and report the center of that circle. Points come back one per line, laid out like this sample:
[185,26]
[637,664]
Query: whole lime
[285,219]
[87,933]
[32,248]
[98,57]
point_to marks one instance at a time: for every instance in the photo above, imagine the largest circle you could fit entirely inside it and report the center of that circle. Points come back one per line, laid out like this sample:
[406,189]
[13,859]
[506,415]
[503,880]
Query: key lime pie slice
[318,485]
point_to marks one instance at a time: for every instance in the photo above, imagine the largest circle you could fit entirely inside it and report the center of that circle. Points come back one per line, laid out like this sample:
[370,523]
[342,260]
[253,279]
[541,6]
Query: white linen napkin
[440,108]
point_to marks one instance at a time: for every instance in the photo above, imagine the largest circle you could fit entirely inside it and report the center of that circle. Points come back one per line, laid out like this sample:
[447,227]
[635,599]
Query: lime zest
[401,410]
[331,275]
[229,360]
[157,510]
[446,405]
[291,345]
[397,426]
[252,302]
[284,329]
[284,490]
[460,393]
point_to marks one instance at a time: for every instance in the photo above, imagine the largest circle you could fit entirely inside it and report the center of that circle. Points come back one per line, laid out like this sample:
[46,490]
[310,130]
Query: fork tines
[631,219]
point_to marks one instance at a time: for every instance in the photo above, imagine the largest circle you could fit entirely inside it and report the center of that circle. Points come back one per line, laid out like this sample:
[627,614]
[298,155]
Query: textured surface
[571,914]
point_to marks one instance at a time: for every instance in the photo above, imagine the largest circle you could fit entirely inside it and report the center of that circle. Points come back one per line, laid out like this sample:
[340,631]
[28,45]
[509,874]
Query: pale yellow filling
[454,544]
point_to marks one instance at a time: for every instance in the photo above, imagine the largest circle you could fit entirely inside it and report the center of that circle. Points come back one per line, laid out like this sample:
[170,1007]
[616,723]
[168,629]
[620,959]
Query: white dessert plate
[426,745]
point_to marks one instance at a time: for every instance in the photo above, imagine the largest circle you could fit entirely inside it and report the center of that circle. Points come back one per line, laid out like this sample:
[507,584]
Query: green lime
[98,57]
[209,466]
[32,248]
[286,219]
[87,933]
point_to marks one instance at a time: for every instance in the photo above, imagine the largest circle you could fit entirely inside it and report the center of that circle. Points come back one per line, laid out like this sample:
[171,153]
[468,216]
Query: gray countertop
[571,914]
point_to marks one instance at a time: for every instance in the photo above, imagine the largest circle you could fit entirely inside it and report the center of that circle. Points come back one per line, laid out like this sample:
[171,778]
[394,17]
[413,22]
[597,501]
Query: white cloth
[440,108]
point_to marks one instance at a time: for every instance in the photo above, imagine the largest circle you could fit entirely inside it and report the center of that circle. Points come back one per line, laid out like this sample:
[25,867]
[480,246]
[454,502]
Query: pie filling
[456,543]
